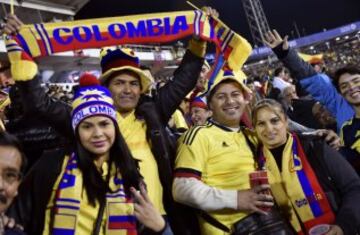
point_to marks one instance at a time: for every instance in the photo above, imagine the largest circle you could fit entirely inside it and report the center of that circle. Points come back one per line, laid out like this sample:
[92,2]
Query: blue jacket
[322,90]
[318,85]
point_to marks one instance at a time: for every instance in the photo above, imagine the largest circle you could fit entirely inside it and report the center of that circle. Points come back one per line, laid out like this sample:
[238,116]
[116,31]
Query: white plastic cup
[319,229]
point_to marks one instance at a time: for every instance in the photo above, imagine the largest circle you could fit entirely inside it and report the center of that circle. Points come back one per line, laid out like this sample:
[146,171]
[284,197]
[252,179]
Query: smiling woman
[270,122]
[97,135]
[100,165]
[307,178]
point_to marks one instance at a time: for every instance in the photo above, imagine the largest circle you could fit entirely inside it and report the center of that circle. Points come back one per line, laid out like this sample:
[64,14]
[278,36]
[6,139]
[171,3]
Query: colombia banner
[45,39]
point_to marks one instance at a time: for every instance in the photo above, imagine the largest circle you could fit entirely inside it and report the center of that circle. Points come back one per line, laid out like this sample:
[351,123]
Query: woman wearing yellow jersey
[92,190]
[312,183]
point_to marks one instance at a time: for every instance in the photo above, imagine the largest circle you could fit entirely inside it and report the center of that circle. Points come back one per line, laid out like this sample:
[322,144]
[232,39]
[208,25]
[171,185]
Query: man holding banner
[141,119]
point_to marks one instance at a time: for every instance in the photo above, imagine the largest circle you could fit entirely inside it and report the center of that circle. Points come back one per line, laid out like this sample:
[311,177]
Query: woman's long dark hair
[120,155]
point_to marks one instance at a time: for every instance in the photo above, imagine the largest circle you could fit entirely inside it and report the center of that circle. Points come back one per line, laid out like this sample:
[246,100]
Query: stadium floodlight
[257,20]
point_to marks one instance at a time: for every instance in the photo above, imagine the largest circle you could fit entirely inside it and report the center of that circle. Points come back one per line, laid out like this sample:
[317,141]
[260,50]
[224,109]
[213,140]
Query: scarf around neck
[297,188]
[119,207]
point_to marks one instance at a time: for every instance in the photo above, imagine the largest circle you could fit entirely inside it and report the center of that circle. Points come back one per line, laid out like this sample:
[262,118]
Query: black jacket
[35,136]
[299,69]
[339,181]
[155,110]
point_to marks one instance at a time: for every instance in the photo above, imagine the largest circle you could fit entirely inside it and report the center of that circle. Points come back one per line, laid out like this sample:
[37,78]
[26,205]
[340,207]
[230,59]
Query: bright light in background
[46,75]
[337,39]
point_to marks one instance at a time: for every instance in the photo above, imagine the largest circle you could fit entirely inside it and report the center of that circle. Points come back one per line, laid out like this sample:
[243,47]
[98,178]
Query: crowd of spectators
[273,151]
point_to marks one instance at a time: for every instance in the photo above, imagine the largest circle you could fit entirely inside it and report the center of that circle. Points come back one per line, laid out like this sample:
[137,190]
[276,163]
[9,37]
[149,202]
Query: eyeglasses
[10,176]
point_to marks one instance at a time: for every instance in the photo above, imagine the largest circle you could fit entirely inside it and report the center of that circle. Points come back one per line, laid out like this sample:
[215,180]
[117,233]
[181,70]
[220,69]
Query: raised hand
[12,25]
[210,12]
[23,67]
[273,39]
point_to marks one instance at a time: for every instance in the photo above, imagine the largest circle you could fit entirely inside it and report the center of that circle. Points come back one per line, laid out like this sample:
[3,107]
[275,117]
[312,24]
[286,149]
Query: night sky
[311,16]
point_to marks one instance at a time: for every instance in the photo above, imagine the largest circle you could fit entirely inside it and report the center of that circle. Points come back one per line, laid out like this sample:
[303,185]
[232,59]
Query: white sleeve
[194,193]
[280,84]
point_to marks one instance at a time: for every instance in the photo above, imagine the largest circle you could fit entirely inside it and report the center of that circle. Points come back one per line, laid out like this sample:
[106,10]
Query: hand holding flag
[23,67]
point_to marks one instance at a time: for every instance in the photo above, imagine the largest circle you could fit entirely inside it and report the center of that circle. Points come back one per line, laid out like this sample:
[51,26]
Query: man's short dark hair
[10,140]
[350,69]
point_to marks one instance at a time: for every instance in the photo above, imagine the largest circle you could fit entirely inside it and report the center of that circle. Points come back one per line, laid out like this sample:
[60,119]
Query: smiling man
[347,82]
[214,162]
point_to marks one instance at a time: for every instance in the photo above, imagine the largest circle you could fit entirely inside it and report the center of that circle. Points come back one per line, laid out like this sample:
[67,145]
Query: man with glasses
[12,164]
